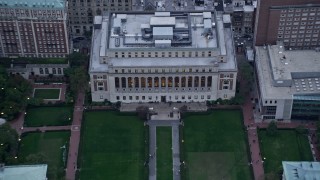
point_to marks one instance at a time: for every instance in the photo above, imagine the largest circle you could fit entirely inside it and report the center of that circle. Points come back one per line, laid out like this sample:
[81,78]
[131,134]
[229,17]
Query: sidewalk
[75,138]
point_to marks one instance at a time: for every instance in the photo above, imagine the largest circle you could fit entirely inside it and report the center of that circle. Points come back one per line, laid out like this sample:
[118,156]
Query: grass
[214,146]
[48,144]
[47,93]
[48,116]
[164,153]
[112,147]
[287,145]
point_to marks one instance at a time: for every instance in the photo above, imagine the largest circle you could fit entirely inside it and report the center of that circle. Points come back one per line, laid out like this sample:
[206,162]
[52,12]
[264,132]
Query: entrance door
[163,98]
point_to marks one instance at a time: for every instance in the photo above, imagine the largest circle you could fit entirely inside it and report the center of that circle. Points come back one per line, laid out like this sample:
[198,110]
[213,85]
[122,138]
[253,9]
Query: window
[130,97]
[124,97]
[41,70]
[46,70]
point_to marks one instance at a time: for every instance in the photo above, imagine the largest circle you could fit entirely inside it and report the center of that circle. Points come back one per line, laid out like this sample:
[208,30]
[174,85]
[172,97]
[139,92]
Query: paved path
[256,160]
[176,152]
[153,147]
[75,138]
[46,128]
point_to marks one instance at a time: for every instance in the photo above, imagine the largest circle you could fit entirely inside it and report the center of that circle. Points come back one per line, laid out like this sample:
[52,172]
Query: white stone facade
[205,69]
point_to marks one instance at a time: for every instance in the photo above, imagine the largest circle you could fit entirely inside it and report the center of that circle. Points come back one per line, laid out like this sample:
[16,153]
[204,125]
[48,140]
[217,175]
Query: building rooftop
[301,170]
[41,4]
[189,30]
[180,31]
[283,73]
[25,172]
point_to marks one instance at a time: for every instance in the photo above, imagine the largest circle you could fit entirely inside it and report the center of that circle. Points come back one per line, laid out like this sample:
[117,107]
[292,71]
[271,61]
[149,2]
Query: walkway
[46,128]
[256,160]
[153,147]
[75,138]
[71,169]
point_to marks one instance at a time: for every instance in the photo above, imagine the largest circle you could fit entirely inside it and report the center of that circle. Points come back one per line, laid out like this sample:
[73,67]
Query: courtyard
[214,146]
[44,93]
[112,146]
[48,116]
[287,145]
[50,148]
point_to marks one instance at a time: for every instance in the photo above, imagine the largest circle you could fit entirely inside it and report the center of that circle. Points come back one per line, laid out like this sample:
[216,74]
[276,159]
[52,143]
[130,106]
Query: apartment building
[82,12]
[34,28]
[294,22]
[162,57]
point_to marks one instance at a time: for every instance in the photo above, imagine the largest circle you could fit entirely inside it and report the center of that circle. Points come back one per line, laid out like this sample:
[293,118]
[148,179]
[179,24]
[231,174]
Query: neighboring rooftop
[41,4]
[301,170]
[25,172]
[283,73]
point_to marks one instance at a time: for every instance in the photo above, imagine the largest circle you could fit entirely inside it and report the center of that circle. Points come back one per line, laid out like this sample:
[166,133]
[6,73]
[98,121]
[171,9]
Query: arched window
[149,82]
[169,81]
[130,82]
[203,81]
[143,82]
[136,82]
[123,82]
[183,82]
[209,81]
[116,82]
[190,81]
[196,81]
[156,82]
[163,82]
[176,82]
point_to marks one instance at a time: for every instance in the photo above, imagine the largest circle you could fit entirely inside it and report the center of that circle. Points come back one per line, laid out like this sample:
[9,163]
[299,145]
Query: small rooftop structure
[301,170]
[25,172]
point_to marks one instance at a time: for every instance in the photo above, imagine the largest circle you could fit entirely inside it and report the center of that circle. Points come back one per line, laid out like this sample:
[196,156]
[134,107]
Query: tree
[8,143]
[78,79]
[77,59]
[272,129]
[143,112]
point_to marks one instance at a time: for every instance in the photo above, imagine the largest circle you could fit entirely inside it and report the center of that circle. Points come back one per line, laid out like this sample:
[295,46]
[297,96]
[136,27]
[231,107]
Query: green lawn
[164,153]
[47,144]
[112,147]
[48,116]
[47,93]
[214,146]
[286,146]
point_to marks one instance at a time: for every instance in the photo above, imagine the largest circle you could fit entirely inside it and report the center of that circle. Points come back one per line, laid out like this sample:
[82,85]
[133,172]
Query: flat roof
[300,69]
[301,170]
[158,20]
[25,172]
[39,4]
[190,26]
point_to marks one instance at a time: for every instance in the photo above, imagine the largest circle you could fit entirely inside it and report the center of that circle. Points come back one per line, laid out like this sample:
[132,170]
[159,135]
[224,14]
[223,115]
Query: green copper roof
[26,172]
[41,4]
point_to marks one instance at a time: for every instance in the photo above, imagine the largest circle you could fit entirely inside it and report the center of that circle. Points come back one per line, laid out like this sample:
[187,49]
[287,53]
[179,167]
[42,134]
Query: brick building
[81,12]
[294,22]
[34,28]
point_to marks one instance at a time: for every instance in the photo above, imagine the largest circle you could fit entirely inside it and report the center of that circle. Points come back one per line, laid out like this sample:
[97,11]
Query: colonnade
[163,82]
